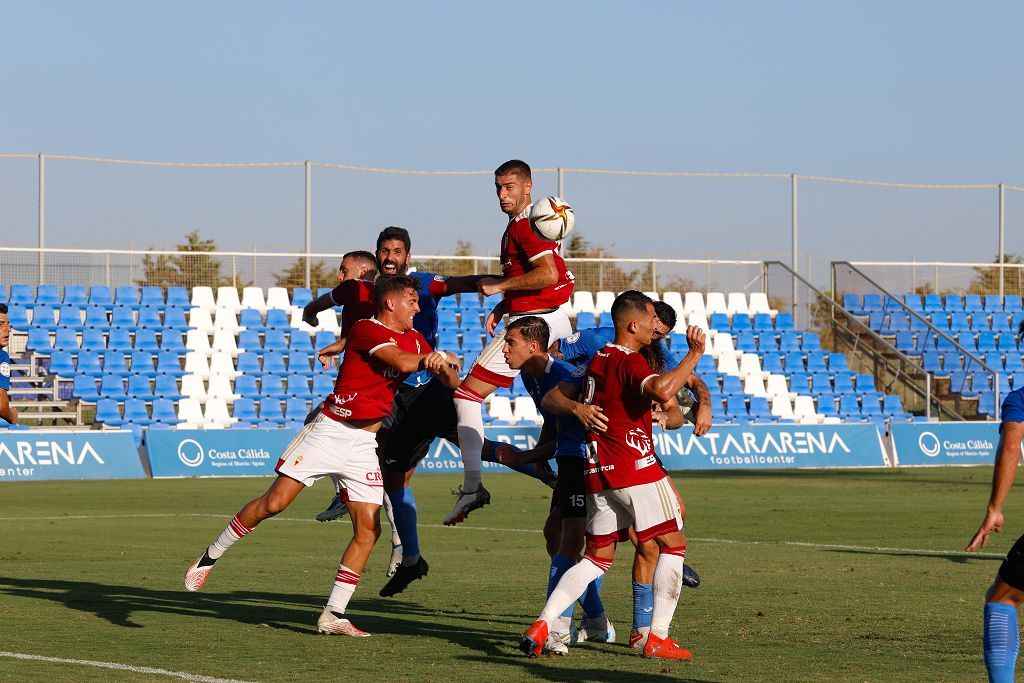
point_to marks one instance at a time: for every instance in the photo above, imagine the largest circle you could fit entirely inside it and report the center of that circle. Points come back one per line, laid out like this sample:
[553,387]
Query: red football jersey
[520,246]
[366,386]
[623,455]
[356,299]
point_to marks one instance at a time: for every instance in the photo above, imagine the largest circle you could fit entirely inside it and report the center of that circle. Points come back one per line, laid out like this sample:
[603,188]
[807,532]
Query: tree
[194,267]
[600,275]
[321,274]
[986,279]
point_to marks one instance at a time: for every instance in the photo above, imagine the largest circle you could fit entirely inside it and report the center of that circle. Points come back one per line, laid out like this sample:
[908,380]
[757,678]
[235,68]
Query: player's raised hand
[591,416]
[702,419]
[993,522]
[435,362]
[494,317]
[695,339]
[489,285]
[309,315]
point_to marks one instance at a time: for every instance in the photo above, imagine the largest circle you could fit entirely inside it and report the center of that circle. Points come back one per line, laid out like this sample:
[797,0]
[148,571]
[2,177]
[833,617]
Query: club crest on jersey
[639,440]
[572,338]
[580,371]
[5,369]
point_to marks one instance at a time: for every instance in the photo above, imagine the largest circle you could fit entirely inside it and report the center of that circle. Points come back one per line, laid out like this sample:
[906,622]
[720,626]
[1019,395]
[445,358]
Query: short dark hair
[361,255]
[389,286]
[630,301]
[514,167]
[1020,330]
[3,308]
[533,328]
[665,313]
[393,232]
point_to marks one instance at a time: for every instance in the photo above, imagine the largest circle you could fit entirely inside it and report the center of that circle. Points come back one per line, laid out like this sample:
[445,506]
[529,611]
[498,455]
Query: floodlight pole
[1002,238]
[42,218]
[309,216]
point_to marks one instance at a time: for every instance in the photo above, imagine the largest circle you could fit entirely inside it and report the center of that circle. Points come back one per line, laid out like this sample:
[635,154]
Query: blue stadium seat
[837,362]
[979,322]
[96,318]
[112,387]
[275,341]
[139,387]
[39,340]
[891,405]
[745,342]
[178,298]
[149,317]
[300,341]
[772,362]
[1012,362]
[784,322]
[939,321]
[865,383]
[979,381]
[1006,342]
[766,343]
[245,410]
[447,339]
[1015,321]
[70,316]
[301,296]
[1012,303]
[62,365]
[127,296]
[987,403]
[706,365]
[873,302]
[585,320]
[145,340]
[826,406]
[789,341]
[93,339]
[249,340]
[877,320]
[152,297]
[99,295]
[1000,323]
[816,362]
[843,384]
[605,319]
[732,385]
[954,302]
[759,409]
[273,364]
[736,407]
[966,340]
[952,360]
[136,413]
[166,386]
[905,341]
[142,364]
[720,322]
[972,302]
[718,414]
[324,338]
[115,363]
[120,339]
[296,409]
[83,388]
[849,407]
[795,362]
[323,384]
[299,363]
[1017,380]
[821,383]
[251,319]
[174,319]
[447,318]
[123,317]
[945,342]
[853,303]
[994,360]
[245,386]
[17,316]
[270,411]
[108,412]
[272,386]
[763,322]
[897,323]
[44,317]
[913,302]
[932,362]
[169,363]
[1004,385]
[959,323]
[740,323]
[164,413]
[323,290]
[298,386]
[932,303]
[47,295]
[73,294]
[89,364]
[248,363]
[993,304]
[170,340]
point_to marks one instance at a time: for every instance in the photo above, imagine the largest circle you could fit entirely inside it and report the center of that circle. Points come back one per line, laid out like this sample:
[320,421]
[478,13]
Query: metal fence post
[42,218]
[794,262]
[1002,238]
[561,183]
[309,216]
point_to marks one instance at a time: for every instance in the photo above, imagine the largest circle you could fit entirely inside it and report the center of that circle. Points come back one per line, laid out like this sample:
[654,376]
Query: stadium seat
[115,363]
[227,299]
[736,407]
[1012,303]
[112,387]
[301,296]
[278,319]
[1000,323]
[816,362]
[299,363]
[44,317]
[932,303]
[853,303]
[986,403]
[100,295]
[954,302]
[127,296]
[849,408]
[737,303]
[583,302]
[135,412]
[273,364]
[248,363]
[226,320]
[759,304]
[892,406]
[250,319]
[224,342]
[753,385]
[276,341]
[92,340]
[216,411]
[83,388]
[270,411]
[300,341]
[197,341]
[108,412]
[715,303]
[245,386]
[145,340]
[693,304]
[220,387]
[202,297]
[741,323]
[771,363]
[221,364]
[149,317]
[745,342]
[73,294]
[163,412]
[295,409]
[168,363]
[759,409]
[720,322]
[803,409]
[152,297]
[39,341]
[47,295]
[767,342]
[873,302]
[252,297]
[192,387]
[166,387]
[277,298]
[323,384]
[177,297]
[96,318]
[750,364]
[244,410]
[197,363]
[972,302]
[123,317]
[272,386]
[297,386]
[731,386]
[62,365]
[602,302]
[913,302]
[777,386]
[958,322]
[993,304]
[142,364]
[71,317]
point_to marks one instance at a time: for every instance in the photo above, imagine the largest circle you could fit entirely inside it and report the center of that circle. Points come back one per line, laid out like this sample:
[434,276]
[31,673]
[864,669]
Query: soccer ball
[552,219]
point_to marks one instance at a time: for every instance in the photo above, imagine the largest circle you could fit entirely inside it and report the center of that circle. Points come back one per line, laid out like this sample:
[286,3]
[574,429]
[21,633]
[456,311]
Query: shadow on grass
[537,668]
[956,558]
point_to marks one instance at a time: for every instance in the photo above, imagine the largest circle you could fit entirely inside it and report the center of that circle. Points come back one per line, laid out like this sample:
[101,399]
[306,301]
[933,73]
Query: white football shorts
[652,509]
[490,365]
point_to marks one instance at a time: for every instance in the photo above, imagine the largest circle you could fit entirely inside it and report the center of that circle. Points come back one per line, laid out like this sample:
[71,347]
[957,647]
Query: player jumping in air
[625,486]
[7,411]
[341,440]
[535,282]
[1005,596]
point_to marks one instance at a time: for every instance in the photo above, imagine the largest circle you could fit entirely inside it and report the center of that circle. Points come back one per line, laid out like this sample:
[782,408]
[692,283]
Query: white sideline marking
[803,544]
[121,667]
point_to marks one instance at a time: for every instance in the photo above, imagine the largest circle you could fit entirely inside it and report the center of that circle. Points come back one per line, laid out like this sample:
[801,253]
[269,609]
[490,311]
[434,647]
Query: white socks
[232,533]
[668,582]
[344,586]
[572,585]
[389,509]
[471,439]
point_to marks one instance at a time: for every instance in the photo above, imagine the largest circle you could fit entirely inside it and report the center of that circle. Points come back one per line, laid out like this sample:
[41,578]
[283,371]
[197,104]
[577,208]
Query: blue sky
[896,91]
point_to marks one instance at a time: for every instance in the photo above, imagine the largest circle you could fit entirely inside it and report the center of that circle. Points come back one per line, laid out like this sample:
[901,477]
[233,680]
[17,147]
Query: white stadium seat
[750,364]
[221,363]
[803,408]
[199,319]
[716,303]
[227,297]
[737,303]
[723,346]
[777,386]
[226,320]
[217,413]
[583,302]
[327,321]
[754,385]
[190,412]
[701,321]
[252,297]
[525,410]
[673,299]
[500,408]
[759,304]
[224,341]
[782,408]
[831,421]
[693,304]
[196,363]
[277,297]
[198,341]
[603,302]
[298,324]
[653,295]
[727,364]
[202,297]
[220,387]
[192,387]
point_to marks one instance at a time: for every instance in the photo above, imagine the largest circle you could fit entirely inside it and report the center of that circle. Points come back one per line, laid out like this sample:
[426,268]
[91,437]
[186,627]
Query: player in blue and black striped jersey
[7,411]
[1005,596]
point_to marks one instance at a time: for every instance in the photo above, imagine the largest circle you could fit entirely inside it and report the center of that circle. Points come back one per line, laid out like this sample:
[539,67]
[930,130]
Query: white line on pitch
[121,667]
[804,544]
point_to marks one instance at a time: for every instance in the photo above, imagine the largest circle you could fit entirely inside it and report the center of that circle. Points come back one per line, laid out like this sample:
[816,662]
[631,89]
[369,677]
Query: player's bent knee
[1004,593]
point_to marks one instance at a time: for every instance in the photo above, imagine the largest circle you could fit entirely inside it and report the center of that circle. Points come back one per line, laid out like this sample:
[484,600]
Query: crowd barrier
[255,452]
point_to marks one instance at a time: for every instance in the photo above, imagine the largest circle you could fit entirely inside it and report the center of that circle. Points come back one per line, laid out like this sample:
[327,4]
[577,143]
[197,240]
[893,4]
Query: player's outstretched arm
[561,401]
[7,411]
[1007,458]
[702,411]
[328,355]
[543,273]
[670,415]
[403,361]
[315,307]
[464,284]
[663,387]
[445,368]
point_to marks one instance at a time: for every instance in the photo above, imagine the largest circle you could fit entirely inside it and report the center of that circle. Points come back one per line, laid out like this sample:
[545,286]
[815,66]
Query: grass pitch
[809,576]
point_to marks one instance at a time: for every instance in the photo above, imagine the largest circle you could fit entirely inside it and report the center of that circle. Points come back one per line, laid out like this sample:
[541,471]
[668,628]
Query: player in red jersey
[535,282]
[625,485]
[381,353]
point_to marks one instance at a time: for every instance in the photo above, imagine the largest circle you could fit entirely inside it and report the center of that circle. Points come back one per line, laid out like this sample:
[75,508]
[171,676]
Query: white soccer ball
[552,218]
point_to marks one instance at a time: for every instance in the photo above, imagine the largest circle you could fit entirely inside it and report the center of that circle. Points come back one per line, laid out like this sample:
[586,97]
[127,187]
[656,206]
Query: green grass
[107,586]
